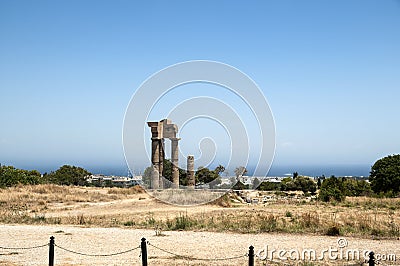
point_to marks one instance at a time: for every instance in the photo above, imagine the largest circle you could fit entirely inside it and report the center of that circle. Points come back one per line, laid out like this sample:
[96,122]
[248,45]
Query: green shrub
[331,190]
[182,222]
[333,231]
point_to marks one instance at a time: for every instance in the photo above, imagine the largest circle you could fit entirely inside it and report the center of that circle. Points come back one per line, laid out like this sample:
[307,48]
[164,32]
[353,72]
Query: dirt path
[138,204]
[204,245]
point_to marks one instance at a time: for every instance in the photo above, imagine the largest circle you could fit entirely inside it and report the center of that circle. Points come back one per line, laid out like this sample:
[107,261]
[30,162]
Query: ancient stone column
[174,161]
[155,181]
[190,171]
[159,131]
[155,159]
[161,163]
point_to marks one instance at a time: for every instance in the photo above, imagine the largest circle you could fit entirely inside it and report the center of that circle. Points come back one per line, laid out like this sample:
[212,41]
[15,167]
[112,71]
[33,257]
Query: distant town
[226,181]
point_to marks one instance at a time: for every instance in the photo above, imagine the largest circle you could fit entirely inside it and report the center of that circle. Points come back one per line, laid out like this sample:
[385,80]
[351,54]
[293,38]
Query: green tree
[354,188]
[302,183]
[32,177]
[146,178]
[69,175]
[288,184]
[239,186]
[319,183]
[305,184]
[204,175]
[167,173]
[268,186]
[363,188]
[240,171]
[256,182]
[331,189]
[385,175]
[219,169]
[218,180]
[10,176]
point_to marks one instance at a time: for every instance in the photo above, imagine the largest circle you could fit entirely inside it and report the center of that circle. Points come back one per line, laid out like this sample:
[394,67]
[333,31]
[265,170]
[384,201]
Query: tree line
[384,181]
[65,175]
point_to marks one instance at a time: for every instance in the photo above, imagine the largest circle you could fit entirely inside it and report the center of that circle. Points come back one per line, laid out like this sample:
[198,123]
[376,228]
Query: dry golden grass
[126,191]
[19,204]
[187,197]
[131,207]
[32,195]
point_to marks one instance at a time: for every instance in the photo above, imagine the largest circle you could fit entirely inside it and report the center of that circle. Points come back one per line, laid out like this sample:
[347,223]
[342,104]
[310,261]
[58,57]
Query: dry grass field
[131,209]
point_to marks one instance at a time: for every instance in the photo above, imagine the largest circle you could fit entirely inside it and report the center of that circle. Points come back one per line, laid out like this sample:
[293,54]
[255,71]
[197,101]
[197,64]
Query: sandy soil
[205,245]
[136,204]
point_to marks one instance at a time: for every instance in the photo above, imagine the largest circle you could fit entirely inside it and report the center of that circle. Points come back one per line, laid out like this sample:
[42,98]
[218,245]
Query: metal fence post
[143,247]
[51,251]
[251,256]
[371,261]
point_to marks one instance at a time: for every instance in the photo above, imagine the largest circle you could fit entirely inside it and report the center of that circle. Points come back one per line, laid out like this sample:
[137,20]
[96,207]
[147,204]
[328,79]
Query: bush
[10,176]
[331,189]
[302,183]
[269,186]
[268,223]
[385,174]
[182,222]
[68,175]
[333,231]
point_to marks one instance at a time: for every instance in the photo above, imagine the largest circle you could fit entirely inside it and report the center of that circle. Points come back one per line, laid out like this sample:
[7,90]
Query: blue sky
[329,69]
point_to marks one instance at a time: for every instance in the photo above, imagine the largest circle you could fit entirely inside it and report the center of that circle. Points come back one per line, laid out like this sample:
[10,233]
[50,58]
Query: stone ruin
[160,131]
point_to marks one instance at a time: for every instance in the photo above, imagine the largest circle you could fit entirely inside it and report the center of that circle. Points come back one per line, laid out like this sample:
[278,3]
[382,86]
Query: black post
[143,246]
[371,261]
[251,256]
[51,251]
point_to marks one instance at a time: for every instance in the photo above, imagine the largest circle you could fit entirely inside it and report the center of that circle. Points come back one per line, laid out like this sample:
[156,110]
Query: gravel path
[205,245]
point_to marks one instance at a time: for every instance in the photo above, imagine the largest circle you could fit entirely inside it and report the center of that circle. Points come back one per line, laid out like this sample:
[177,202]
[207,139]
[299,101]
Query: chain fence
[194,258]
[143,253]
[24,248]
[96,255]
[53,245]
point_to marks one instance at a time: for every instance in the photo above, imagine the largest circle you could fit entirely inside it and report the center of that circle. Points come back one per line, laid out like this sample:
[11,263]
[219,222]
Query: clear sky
[329,69]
